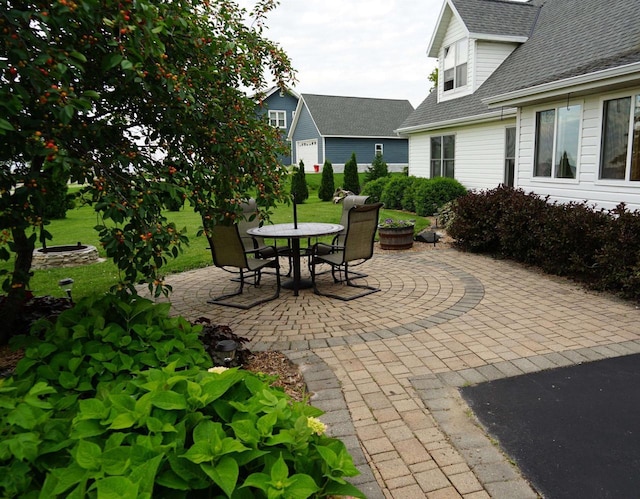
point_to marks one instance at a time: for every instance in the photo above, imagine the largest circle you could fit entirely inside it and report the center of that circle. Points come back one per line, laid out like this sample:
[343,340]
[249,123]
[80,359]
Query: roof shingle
[357,116]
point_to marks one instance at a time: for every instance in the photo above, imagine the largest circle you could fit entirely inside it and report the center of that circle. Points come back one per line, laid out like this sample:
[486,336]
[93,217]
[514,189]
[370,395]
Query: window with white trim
[620,153]
[443,156]
[379,149]
[455,65]
[278,119]
[557,142]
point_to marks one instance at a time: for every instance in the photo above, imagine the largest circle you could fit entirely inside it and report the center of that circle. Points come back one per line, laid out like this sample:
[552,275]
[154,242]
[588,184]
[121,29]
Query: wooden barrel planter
[396,238]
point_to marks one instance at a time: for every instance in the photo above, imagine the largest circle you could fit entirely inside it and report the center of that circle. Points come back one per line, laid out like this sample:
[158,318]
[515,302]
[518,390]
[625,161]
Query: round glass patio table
[294,233]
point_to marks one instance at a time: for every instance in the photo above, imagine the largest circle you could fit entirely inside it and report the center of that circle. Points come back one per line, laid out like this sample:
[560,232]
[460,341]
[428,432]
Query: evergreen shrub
[327,183]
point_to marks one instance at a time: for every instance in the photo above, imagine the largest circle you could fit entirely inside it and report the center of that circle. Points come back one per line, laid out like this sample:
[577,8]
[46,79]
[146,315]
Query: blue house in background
[280,107]
[332,128]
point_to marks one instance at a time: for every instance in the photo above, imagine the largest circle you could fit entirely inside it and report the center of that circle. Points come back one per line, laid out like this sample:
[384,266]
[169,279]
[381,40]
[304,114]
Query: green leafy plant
[88,414]
[375,188]
[394,190]
[390,223]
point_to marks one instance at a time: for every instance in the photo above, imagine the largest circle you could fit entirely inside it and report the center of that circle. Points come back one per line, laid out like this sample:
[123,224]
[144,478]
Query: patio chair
[251,219]
[348,202]
[354,249]
[229,252]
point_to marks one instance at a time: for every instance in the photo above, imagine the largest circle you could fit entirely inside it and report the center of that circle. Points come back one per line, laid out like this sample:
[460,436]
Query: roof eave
[466,120]
[490,37]
[361,136]
[433,49]
[575,84]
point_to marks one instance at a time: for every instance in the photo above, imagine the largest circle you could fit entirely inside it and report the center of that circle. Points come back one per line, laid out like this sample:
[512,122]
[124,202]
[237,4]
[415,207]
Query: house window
[557,137]
[278,119]
[443,156]
[510,156]
[455,65]
[620,157]
[379,149]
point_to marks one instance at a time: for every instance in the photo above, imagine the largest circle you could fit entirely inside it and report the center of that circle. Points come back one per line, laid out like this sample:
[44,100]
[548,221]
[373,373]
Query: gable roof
[572,38]
[569,39]
[489,20]
[497,17]
[356,116]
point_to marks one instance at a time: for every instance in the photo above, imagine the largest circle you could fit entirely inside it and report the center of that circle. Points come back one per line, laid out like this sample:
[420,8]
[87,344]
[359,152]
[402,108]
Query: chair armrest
[325,248]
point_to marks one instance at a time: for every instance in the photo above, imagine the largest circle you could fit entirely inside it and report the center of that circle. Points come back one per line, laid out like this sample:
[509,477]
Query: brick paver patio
[385,367]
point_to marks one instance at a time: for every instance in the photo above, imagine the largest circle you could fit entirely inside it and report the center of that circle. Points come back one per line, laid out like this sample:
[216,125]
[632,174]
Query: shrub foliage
[327,184]
[597,247]
[351,179]
[120,404]
[299,187]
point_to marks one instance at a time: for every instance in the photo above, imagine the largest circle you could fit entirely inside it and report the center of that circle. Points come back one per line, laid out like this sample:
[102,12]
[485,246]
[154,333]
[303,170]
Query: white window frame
[276,116]
[454,58]
[635,107]
[553,176]
[442,157]
[379,149]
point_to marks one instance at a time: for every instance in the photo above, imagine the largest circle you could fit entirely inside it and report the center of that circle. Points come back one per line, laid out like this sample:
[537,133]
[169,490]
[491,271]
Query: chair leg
[221,300]
[348,280]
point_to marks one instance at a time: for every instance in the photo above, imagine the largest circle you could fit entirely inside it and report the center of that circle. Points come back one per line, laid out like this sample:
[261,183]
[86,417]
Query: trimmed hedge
[597,247]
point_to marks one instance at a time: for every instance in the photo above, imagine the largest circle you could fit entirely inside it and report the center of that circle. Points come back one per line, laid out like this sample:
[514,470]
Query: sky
[357,48]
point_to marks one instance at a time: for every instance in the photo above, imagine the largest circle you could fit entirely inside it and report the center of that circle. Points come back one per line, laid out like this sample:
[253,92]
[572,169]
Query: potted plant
[396,234]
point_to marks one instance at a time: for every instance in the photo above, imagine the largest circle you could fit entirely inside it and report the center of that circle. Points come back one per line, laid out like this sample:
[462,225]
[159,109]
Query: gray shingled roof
[570,38]
[357,116]
[496,17]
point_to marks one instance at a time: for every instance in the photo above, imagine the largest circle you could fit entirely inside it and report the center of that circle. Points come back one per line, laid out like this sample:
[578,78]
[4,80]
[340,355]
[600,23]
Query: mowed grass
[99,277]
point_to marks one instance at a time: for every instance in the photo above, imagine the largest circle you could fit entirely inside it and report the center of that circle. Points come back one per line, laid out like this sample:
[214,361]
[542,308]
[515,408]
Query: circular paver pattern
[416,292]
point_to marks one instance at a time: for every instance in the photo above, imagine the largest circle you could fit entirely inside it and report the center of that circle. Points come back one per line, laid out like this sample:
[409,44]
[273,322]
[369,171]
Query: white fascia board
[295,119]
[433,48]
[604,78]
[498,38]
[467,120]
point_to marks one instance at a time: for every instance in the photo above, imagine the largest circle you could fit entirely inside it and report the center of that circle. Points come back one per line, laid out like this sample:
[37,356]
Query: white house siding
[488,56]
[419,154]
[479,153]
[602,193]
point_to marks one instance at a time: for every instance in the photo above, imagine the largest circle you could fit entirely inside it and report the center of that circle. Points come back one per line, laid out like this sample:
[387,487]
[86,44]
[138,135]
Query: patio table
[295,232]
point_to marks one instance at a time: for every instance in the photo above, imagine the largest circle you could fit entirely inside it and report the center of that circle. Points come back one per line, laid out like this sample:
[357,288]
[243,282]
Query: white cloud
[372,48]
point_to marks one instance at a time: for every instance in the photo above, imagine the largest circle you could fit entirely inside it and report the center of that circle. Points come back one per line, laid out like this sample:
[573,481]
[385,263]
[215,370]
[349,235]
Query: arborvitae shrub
[327,185]
[351,180]
[299,188]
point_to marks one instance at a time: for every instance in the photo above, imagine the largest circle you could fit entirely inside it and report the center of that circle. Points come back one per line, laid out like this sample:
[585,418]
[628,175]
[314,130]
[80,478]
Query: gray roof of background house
[570,38]
[357,116]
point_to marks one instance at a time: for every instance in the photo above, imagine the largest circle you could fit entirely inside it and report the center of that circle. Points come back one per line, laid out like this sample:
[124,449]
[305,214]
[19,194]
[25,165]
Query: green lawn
[97,278]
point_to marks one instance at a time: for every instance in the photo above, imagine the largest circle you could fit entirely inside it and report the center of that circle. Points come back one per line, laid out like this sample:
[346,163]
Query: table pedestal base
[304,284]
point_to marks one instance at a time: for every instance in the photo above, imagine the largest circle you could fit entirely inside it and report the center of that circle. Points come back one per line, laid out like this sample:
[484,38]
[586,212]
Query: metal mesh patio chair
[229,252]
[355,249]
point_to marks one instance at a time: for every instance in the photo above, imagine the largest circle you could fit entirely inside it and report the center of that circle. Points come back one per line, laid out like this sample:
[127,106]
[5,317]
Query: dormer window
[455,65]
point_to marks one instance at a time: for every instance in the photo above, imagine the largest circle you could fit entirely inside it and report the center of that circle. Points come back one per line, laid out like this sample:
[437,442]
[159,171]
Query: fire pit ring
[65,256]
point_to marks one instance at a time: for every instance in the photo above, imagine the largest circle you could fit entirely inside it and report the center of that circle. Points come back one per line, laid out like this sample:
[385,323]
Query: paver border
[440,393]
